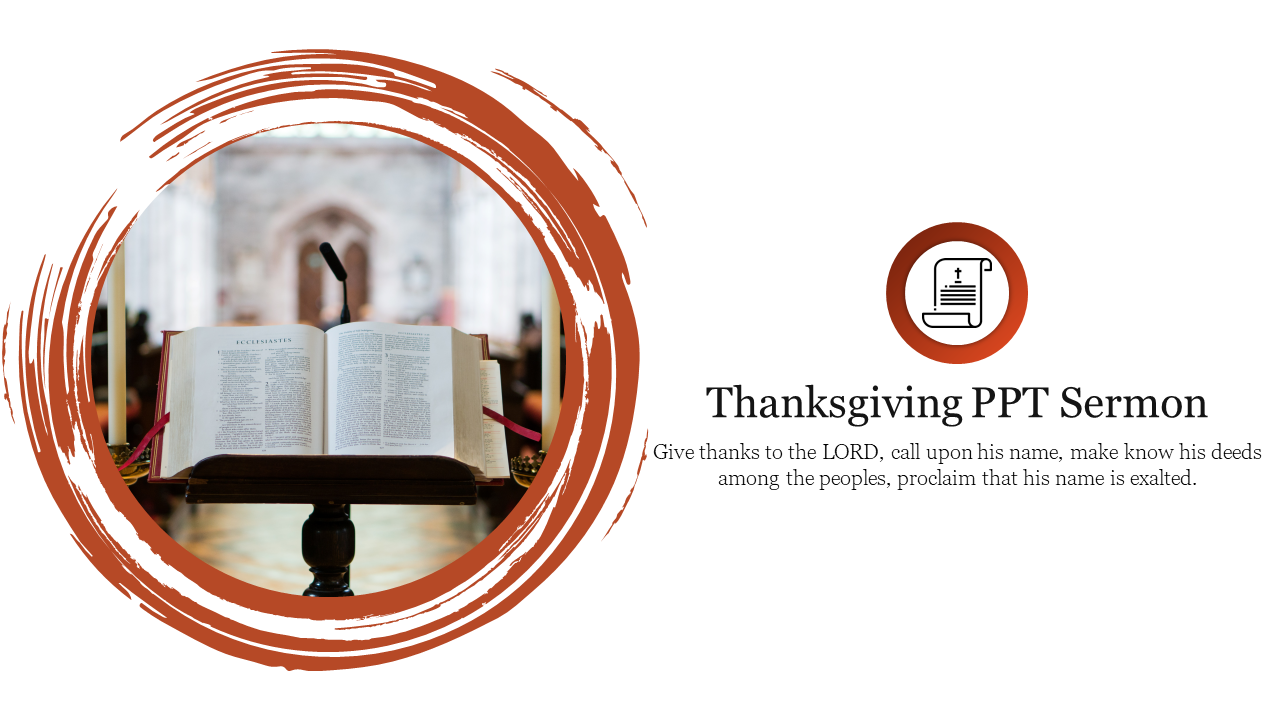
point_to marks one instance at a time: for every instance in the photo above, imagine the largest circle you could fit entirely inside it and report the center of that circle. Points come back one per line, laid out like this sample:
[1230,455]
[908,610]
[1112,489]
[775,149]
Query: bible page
[389,390]
[176,457]
[257,390]
[496,463]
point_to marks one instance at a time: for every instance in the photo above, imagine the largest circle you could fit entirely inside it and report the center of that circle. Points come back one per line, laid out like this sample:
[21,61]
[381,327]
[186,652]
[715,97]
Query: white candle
[550,360]
[115,351]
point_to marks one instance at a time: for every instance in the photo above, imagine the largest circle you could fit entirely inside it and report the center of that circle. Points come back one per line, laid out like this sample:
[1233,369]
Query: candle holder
[134,472]
[525,469]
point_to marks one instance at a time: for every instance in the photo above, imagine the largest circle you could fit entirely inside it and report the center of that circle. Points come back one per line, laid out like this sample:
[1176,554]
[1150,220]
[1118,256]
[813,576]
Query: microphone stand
[325,516]
[340,273]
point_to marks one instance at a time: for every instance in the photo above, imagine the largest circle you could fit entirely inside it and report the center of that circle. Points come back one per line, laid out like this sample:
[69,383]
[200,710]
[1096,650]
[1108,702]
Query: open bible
[362,388]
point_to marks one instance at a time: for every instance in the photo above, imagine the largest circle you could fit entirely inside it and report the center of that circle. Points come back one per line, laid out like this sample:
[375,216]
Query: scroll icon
[957,293]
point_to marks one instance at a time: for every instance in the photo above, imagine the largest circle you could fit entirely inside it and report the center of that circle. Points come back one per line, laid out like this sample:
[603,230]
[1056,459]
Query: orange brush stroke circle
[896,293]
[57,395]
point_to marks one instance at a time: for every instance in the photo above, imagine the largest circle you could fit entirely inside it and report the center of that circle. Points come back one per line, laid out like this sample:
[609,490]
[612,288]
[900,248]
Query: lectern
[331,484]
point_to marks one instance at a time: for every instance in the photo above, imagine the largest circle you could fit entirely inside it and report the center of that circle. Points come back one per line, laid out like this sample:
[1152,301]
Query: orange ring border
[896,293]
[57,397]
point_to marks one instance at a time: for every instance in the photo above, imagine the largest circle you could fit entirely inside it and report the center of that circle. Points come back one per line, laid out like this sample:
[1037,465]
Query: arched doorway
[356,262]
[311,269]
[319,293]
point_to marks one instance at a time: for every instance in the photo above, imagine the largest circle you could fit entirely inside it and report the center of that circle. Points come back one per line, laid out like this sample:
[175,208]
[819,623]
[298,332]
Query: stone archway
[319,295]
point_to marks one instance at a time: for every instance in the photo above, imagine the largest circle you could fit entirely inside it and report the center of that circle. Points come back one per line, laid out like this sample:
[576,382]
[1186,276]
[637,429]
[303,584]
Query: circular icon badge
[957,293]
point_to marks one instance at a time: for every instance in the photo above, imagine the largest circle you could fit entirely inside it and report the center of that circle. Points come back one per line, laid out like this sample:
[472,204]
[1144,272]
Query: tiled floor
[262,544]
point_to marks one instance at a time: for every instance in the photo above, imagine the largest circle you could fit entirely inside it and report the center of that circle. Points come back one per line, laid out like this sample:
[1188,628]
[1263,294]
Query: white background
[782,157]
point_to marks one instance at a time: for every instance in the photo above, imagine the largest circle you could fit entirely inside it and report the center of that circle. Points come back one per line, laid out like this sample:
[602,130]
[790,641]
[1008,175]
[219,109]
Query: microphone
[339,272]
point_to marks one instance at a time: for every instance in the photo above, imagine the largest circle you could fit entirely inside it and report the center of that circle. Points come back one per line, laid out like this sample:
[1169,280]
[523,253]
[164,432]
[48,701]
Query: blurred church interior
[235,241]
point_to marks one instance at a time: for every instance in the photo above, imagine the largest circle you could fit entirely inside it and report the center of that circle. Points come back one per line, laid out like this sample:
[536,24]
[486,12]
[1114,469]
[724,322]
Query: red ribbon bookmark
[534,436]
[145,440]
